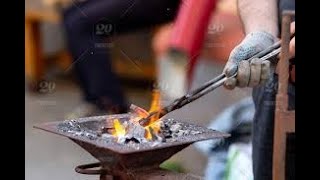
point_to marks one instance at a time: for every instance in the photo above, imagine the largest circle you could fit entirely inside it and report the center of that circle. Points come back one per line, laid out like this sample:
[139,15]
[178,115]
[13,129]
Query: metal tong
[268,54]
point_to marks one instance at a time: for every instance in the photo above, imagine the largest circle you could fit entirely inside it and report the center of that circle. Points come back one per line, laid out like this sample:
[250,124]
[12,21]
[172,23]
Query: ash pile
[126,129]
[170,129]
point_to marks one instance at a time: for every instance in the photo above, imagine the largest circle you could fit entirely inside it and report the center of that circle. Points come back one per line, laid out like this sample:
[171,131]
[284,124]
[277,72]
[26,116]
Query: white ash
[121,139]
[73,127]
[106,135]
[170,131]
[135,132]
[69,126]
[195,132]
[175,127]
[156,143]
[172,128]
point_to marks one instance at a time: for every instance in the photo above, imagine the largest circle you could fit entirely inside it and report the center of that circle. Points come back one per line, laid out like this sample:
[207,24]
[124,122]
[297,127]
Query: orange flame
[155,105]
[154,123]
[119,130]
[155,126]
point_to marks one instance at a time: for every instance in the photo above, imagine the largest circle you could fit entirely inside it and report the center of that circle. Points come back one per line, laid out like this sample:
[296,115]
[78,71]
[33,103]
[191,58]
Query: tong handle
[216,82]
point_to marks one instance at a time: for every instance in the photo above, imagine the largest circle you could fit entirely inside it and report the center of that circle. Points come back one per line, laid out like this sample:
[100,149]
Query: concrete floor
[52,157]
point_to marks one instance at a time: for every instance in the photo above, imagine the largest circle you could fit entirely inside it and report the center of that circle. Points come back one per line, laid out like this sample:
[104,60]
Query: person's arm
[259,15]
[260,22]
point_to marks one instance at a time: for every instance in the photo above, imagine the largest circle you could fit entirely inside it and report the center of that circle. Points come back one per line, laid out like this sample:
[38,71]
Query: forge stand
[118,161]
[141,174]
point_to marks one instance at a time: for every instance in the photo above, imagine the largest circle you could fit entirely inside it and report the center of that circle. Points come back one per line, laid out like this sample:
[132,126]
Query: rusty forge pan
[111,154]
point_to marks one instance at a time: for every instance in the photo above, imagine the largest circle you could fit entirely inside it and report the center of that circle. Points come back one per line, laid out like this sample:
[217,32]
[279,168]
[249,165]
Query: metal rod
[200,94]
[267,54]
[283,65]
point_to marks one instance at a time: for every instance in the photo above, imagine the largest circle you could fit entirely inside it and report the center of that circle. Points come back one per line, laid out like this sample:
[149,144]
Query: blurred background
[52,90]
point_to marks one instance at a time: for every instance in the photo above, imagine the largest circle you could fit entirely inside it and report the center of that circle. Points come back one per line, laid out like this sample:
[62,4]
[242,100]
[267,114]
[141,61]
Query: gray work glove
[248,74]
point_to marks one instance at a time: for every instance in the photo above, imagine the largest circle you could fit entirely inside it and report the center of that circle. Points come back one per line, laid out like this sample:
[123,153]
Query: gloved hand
[248,74]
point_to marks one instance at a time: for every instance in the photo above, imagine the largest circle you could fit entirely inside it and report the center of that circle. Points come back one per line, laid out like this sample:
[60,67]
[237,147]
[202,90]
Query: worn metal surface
[146,174]
[115,162]
[155,174]
[160,174]
[284,118]
[116,158]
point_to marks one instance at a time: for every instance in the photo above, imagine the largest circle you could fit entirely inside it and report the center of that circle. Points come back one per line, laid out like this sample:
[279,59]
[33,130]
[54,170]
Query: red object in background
[217,45]
[224,34]
[190,28]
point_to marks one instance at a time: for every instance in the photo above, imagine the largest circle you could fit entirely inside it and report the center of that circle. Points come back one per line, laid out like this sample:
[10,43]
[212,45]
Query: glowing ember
[138,112]
[152,129]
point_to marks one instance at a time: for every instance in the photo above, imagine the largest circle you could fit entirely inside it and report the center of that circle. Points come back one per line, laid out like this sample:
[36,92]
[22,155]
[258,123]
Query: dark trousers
[263,128]
[90,28]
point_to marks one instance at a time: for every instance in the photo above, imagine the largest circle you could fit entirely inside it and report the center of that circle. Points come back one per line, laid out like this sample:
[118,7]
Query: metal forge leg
[156,174]
[284,119]
[142,174]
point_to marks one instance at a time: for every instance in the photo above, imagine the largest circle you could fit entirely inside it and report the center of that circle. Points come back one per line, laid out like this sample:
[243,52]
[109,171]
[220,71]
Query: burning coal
[127,135]
[128,129]
[132,130]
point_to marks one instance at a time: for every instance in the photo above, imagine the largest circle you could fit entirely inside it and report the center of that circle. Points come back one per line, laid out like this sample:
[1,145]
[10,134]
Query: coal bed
[171,131]
[89,131]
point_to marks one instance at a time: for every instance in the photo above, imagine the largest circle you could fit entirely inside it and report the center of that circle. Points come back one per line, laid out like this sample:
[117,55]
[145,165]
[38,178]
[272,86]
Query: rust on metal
[119,158]
[283,64]
[146,174]
[284,118]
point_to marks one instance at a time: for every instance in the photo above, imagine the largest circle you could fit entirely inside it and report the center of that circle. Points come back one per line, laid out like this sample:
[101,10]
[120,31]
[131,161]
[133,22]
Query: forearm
[259,15]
